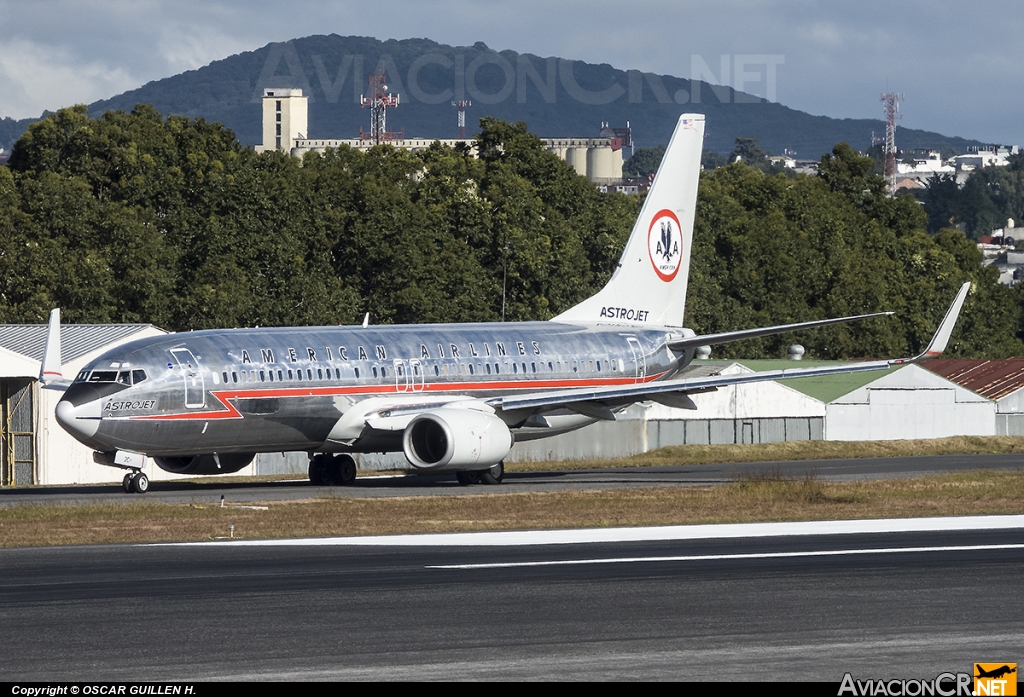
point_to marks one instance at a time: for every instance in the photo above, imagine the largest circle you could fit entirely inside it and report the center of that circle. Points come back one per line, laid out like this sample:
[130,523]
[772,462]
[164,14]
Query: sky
[960,66]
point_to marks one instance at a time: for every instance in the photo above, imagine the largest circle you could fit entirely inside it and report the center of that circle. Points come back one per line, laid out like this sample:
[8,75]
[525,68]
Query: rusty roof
[991,379]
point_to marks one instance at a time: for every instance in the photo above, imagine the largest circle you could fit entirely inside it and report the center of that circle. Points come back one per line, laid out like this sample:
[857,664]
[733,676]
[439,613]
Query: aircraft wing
[594,401]
[726,337]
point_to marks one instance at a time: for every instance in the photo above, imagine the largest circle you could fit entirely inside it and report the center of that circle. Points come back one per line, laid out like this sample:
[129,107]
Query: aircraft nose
[81,421]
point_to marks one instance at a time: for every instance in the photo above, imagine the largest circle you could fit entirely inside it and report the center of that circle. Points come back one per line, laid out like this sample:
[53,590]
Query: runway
[764,606]
[210,489]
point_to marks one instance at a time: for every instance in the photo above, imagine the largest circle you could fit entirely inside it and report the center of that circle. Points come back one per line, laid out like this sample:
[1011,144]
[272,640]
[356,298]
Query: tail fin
[649,284]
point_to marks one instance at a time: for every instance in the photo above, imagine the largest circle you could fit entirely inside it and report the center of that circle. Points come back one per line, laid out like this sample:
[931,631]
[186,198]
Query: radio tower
[379,102]
[891,100]
[461,106]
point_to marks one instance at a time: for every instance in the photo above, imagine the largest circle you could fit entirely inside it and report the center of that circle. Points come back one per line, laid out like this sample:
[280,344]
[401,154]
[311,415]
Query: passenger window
[263,376]
[357,373]
[234,376]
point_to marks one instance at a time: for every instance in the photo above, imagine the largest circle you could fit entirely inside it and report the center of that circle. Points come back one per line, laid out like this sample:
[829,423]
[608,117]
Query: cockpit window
[123,377]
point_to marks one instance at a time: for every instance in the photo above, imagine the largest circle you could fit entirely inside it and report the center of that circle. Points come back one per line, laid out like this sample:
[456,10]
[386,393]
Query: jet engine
[456,439]
[205,464]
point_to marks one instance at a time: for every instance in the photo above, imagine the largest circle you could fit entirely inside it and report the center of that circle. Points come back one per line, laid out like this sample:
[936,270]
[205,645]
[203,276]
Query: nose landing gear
[135,482]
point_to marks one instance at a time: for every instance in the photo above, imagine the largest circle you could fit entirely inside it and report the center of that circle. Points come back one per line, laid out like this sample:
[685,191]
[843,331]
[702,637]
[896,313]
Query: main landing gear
[135,482]
[491,475]
[326,469]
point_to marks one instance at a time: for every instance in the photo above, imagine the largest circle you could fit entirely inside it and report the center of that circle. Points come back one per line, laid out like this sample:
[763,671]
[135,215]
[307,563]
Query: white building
[35,449]
[285,127]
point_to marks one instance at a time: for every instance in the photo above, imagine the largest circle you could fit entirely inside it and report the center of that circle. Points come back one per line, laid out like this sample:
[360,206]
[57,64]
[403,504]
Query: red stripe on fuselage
[230,412]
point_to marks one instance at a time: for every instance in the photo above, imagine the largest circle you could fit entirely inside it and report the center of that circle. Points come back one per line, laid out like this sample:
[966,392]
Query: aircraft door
[410,376]
[195,389]
[639,360]
[402,380]
[417,375]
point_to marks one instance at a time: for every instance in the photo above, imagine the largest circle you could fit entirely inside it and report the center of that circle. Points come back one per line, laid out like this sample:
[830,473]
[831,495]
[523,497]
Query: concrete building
[285,119]
[285,127]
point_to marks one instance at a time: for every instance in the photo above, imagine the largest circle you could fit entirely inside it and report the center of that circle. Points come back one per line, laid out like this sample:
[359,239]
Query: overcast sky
[959,64]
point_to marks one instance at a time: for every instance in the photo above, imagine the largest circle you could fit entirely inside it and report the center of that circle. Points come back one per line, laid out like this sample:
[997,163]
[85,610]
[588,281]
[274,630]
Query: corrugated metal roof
[76,340]
[992,379]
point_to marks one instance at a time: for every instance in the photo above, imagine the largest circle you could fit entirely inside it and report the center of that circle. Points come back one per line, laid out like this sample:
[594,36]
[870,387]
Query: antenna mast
[891,102]
[461,105]
[379,102]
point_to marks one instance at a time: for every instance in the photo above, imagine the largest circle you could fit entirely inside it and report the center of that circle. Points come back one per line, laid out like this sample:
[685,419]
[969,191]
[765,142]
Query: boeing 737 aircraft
[452,397]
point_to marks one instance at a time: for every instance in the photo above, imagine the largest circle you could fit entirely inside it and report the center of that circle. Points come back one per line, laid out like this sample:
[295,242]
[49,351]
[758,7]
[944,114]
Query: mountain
[555,97]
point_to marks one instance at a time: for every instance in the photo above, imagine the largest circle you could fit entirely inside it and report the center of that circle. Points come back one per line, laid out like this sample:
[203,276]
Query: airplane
[453,398]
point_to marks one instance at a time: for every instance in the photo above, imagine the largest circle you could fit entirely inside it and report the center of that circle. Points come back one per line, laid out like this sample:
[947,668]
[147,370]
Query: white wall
[909,403]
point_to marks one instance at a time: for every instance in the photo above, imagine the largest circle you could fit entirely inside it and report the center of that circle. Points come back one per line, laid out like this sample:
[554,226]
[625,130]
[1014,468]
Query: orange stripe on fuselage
[230,412]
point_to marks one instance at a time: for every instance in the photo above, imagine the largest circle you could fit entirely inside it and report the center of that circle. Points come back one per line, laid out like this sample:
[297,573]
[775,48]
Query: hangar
[34,449]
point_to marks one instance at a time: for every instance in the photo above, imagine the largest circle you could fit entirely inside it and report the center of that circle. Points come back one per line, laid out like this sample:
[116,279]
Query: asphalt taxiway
[210,489]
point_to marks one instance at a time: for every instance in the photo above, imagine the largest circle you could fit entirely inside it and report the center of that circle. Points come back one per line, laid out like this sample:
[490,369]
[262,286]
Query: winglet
[942,334]
[50,370]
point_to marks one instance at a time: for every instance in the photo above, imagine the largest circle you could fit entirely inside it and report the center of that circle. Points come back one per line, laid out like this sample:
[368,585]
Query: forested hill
[554,97]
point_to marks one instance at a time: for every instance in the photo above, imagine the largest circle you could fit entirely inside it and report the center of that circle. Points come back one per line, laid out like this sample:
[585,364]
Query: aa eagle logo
[665,241]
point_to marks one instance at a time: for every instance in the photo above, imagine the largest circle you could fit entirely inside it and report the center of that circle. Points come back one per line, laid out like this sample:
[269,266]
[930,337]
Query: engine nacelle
[204,464]
[456,439]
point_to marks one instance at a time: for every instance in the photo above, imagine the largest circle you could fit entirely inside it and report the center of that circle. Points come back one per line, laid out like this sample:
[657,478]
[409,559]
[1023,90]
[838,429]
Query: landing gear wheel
[140,483]
[467,478]
[126,483]
[343,470]
[494,475]
[318,471]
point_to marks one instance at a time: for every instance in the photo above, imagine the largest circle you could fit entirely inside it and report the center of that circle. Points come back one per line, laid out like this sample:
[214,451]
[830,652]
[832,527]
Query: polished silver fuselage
[285,389]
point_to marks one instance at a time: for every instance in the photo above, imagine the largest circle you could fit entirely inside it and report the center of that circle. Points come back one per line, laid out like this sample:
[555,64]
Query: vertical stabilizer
[51,371]
[649,283]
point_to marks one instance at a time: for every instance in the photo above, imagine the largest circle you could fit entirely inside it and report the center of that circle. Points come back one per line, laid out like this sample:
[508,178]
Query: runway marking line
[517,538]
[725,557]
